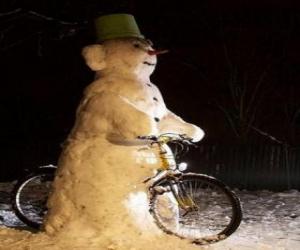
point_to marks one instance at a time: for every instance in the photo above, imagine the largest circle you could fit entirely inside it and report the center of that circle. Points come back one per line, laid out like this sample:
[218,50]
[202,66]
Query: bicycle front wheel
[217,212]
[30,197]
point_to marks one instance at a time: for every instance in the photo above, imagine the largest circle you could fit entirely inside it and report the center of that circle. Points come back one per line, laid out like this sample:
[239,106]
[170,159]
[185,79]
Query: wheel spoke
[217,210]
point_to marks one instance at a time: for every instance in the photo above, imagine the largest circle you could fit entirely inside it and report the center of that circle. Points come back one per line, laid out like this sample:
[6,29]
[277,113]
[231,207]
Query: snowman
[98,192]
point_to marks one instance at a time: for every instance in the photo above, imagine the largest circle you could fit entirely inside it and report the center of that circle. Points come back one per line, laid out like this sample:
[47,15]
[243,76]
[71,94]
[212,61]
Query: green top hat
[116,26]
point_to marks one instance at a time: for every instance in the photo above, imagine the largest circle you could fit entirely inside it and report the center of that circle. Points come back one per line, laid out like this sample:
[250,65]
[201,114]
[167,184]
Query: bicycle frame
[171,174]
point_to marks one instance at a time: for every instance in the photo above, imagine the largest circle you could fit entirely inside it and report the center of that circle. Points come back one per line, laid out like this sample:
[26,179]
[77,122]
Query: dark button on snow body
[156,119]
[155,99]
[149,84]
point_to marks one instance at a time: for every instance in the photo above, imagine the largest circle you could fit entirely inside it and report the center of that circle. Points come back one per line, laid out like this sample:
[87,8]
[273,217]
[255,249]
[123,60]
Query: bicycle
[30,195]
[188,205]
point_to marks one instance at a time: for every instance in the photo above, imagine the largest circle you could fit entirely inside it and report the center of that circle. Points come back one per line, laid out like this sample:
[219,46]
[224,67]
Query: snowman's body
[98,191]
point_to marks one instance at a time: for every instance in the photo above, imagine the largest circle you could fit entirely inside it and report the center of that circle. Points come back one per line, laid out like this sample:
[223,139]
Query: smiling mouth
[150,64]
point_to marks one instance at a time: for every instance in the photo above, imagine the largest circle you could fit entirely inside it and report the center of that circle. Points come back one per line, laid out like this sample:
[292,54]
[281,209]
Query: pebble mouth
[148,63]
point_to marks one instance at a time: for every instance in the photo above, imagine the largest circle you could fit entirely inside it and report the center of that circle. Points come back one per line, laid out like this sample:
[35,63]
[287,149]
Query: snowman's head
[126,56]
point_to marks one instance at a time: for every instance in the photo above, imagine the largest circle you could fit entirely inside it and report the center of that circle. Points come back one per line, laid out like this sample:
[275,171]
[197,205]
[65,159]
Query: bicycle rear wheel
[217,216]
[30,197]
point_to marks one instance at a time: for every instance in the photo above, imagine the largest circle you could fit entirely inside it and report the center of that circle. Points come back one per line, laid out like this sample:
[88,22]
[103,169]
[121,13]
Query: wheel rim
[31,198]
[216,216]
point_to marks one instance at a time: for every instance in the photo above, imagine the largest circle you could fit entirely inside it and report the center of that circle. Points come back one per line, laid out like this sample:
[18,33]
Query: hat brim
[120,36]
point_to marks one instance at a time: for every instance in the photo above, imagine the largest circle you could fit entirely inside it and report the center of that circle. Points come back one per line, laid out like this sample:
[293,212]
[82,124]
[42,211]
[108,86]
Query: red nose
[157,52]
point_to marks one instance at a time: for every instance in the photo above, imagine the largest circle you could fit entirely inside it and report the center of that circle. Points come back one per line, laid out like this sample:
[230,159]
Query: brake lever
[190,143]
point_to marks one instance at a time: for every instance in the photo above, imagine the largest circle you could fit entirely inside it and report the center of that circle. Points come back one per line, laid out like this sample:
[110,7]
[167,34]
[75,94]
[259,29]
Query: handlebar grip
[145,137]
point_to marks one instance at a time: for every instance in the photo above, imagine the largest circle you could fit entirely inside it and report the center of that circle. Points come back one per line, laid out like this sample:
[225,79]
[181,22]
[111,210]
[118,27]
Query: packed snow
[271,221]
[101,167]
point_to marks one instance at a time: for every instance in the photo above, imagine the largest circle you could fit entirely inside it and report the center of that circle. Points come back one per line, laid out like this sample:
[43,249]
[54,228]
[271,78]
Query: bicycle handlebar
[168,137]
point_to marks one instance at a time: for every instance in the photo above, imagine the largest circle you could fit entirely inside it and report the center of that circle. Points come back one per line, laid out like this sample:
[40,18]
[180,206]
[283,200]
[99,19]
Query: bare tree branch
[257,86]
[54,19]
[11,12]
[230,119]
[18,42]
[41,16]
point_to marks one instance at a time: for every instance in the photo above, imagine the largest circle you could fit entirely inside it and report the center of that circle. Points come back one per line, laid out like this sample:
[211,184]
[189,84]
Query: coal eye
[136,45]
[149,42]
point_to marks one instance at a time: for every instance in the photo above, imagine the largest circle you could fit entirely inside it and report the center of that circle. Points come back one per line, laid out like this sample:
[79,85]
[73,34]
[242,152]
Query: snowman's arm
[171,123]
[115,115]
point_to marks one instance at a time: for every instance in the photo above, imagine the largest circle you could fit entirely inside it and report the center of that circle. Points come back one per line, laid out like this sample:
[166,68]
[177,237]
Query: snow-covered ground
[271,220]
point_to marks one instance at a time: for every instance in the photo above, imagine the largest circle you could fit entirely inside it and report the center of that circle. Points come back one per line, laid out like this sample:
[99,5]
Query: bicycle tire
[30,195]
[170,217]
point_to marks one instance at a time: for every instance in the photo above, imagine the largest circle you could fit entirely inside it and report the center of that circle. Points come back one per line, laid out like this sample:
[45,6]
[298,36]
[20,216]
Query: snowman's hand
[172,123]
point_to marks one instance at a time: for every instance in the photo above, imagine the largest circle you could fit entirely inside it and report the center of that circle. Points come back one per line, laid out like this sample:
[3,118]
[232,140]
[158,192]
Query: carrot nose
[157,52]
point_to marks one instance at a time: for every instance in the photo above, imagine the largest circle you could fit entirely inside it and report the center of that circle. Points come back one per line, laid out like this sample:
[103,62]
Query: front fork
[184,200]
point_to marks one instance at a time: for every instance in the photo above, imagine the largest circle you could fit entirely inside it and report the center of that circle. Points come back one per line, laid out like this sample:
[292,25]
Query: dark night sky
[218,50]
